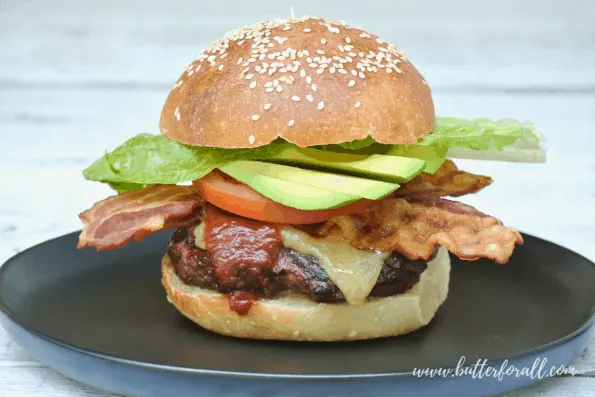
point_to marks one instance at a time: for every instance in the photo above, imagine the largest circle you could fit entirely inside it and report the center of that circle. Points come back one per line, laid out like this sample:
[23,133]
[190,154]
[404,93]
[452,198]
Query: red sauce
[241,302]
[239,247]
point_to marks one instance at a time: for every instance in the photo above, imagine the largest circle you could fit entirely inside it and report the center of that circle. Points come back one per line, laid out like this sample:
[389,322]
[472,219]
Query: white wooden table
[76,79]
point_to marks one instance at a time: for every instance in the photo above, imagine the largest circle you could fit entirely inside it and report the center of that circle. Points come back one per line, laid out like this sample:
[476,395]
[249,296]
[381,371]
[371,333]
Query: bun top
[307,80]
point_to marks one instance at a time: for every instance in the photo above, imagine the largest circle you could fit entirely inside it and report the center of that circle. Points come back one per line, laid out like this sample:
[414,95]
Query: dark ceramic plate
[102,318]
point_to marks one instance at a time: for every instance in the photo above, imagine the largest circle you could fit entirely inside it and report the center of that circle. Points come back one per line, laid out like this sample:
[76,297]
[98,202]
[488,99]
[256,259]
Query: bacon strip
[117,220]
[414,228]
[448,180]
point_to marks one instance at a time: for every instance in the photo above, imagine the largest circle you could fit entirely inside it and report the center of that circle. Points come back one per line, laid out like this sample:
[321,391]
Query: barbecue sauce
[241,302]
[240,248]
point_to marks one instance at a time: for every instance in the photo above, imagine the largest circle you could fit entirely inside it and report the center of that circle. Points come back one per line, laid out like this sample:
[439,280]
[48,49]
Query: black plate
[103,318]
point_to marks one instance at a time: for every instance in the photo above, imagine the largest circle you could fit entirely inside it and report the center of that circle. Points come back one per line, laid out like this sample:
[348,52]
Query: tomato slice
[238,198]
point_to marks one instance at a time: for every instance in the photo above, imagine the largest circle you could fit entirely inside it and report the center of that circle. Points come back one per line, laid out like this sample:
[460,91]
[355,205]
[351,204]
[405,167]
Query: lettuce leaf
[479,134]
[153,159]
[358,143]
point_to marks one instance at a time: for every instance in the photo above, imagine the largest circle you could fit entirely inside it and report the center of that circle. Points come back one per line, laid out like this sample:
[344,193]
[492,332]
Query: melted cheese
[199,236]
[354,271]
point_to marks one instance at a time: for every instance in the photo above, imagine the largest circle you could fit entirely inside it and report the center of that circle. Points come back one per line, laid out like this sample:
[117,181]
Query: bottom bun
[294,317]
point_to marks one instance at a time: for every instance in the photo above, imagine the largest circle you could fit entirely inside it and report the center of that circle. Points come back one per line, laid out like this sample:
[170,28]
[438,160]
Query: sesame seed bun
[307,80]
[294,317]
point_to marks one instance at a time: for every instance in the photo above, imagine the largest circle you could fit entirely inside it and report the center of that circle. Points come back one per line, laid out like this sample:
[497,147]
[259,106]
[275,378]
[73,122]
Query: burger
[304,171]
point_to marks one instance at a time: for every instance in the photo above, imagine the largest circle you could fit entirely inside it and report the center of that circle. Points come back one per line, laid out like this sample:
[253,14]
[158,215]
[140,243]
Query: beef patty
[292,271]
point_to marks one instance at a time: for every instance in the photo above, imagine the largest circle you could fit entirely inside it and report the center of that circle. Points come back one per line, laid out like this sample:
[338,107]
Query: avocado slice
[290,193]
[350,185]
[375,166]
[434,156]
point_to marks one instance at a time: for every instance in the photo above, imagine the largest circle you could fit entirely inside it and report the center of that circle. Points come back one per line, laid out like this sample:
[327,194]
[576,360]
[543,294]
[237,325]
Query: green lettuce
[479,134]
[153,159]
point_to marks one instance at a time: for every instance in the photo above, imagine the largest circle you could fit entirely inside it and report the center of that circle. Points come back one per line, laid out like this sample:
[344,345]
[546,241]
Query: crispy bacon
[414,228]
[447,181]
[117,220]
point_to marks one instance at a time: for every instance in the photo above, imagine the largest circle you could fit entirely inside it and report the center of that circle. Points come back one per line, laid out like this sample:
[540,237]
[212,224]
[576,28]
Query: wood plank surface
[459,45]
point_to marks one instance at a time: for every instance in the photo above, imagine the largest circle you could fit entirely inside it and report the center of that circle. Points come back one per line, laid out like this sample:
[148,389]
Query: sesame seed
[249,76]
[354,72]
[342,71]
[190,72]
[362,75]
[307,30]
[321,52]
[279,88]
[252,84]
[291,123]
[269,89]
[251,139]
[357,105]
[310,98]
[351,83]
[239,61]
[267,106]
[295,98]
[320,105]
[314,87]
[323,41]
[286,28]
[220,67]
[347,40]
[309,80]
[275,82]
[302,73]
[320,71]
[255,117]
